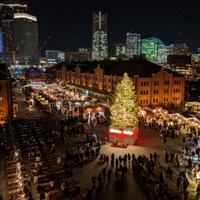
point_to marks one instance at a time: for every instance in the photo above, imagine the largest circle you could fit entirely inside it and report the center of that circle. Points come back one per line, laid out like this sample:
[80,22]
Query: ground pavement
[148,142]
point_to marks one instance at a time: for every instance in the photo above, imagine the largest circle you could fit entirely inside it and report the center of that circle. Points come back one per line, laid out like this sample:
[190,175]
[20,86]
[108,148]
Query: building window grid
[144,92]
[144,101]
[144,83]
[166,83]
[177,82]
[155,92]
[166,91]
[176,98]
[177,90]
[156,82]
[155,100]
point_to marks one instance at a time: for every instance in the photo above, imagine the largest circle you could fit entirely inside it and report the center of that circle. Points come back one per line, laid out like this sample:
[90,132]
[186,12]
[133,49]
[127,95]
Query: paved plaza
[115,188]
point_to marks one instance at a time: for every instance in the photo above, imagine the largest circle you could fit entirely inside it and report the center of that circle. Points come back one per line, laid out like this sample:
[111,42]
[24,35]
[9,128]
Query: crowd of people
[149,172]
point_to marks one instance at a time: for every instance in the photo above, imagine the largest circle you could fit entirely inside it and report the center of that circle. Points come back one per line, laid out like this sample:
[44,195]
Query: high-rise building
[132,44]
[25,33]
[55,54]
[99,37]
[7,17]
[77,56]
[120,50]
[179,49]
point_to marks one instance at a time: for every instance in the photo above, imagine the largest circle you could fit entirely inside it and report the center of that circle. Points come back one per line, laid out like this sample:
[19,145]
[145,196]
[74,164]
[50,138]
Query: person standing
[155,157]
[164,140]
[100,181]
[184,139]
[94,178]
[172,156]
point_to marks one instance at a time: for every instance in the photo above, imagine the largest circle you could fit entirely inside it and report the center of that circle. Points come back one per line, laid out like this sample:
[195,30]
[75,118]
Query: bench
[10,167]
[15,191]
[13,181]
[10,162]
[9,175]
[42,176]
[59,172]
[13,187]
[53,192]
[45,184]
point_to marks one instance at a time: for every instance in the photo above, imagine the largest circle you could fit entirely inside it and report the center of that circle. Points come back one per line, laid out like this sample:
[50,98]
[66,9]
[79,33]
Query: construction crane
[45,42]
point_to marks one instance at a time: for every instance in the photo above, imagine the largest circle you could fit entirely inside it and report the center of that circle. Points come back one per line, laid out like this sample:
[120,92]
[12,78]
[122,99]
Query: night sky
[70,22]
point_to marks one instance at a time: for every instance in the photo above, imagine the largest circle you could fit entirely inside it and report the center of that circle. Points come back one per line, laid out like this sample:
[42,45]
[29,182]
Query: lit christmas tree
[124,109]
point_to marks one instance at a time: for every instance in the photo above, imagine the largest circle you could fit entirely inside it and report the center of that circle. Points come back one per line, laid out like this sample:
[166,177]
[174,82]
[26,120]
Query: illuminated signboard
[122,131]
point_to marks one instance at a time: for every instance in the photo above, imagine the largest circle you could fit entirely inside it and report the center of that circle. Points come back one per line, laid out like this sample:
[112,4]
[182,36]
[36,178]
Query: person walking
[155,157]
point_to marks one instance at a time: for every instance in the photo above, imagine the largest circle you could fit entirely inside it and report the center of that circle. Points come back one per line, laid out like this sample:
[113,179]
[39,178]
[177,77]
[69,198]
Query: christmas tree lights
[124,109]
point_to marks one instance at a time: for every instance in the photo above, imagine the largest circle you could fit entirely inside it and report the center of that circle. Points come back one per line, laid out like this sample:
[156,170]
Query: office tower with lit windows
[7,18]
[179,49]
[25,33]
[99,37]
[120,50]
[132,44]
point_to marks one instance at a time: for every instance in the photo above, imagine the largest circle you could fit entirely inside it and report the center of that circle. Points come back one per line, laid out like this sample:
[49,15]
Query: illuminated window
[1,99]
[1,113]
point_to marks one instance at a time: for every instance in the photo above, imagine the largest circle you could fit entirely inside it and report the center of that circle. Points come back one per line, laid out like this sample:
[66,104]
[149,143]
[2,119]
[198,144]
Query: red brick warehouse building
[154,85]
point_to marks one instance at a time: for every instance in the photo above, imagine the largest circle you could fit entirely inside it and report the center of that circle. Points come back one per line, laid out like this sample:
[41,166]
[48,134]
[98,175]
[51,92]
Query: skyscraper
[25,33]
[132,44]
[99,37]
[7,16]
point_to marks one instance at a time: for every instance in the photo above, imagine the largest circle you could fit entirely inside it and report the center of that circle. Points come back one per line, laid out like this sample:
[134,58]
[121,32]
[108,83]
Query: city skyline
[71,27]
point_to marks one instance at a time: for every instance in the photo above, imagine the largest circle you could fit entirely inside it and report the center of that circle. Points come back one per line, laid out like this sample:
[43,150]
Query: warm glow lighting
[128,132]
[115,131]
